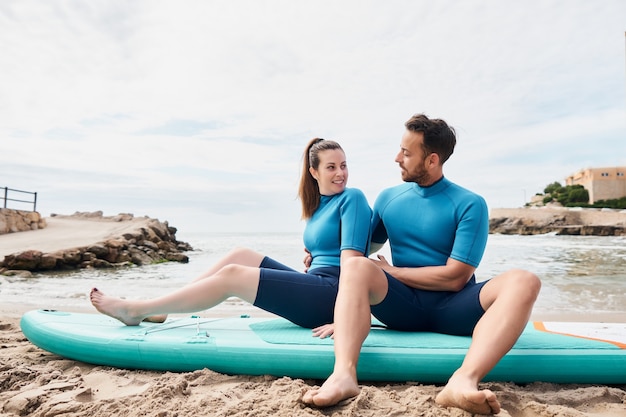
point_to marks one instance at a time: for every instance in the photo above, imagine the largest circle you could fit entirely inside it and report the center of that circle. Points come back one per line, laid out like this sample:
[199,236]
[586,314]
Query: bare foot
[113,307]
[336,388]
[464,394]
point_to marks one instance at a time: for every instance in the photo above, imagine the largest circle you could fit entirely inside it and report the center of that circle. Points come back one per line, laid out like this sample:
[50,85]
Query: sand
[66,233]
[34,382]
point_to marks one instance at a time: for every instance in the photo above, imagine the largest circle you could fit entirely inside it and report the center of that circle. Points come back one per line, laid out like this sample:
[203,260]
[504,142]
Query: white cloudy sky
[197,112]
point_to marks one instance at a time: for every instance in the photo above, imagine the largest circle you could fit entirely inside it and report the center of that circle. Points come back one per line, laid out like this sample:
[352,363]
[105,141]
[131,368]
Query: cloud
[204,107]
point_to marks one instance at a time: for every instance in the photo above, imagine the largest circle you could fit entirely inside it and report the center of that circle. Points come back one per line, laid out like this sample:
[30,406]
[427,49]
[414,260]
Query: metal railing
[6,198]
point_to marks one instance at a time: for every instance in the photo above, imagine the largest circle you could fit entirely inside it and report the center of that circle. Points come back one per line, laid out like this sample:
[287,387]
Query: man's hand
[382,263]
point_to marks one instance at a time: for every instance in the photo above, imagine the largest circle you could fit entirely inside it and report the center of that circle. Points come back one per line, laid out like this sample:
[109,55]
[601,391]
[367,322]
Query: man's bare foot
[113,307]
[336,388]
[464,394]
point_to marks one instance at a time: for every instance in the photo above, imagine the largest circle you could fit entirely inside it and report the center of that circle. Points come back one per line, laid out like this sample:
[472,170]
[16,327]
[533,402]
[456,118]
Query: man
[437,233]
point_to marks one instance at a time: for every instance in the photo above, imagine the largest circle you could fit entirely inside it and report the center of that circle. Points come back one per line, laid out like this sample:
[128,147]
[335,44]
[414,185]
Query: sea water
[580,274]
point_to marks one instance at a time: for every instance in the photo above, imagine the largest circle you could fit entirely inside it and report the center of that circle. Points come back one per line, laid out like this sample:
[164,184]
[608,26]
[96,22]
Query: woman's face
[332,172]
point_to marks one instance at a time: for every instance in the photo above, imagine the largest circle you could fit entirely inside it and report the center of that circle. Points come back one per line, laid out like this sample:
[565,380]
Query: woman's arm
[348,253]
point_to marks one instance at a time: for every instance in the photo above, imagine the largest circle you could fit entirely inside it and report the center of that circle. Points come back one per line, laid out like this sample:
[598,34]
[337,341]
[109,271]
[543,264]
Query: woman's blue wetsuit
[425,226]
[341,222]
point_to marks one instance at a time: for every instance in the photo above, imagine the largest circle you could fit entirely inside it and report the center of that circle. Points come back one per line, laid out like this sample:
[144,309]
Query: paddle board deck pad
[547,351]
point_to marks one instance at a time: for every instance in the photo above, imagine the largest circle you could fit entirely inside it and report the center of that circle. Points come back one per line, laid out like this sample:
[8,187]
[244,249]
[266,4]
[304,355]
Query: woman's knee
[238,280]
[243,256]
[240,252]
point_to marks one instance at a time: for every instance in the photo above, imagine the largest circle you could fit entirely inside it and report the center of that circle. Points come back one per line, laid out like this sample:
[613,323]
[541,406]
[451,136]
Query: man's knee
[516,284]
[361,274]
[525,283]
[358,266]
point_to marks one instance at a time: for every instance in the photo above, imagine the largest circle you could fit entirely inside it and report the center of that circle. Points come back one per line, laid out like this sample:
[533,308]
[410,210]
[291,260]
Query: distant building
[601,183]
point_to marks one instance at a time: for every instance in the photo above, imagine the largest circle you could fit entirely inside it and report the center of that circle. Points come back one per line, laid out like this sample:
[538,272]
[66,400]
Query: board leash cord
[175,324]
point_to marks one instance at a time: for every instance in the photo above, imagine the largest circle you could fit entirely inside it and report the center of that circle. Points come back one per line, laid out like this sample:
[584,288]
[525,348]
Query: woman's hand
[324,331]
[307,260]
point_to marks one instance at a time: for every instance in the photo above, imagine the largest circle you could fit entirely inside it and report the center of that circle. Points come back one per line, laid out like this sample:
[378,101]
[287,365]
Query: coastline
[37,383]
[90,240]
[560,220]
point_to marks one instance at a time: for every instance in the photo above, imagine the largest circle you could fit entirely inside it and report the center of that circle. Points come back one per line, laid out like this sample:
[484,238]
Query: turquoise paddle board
[547,351]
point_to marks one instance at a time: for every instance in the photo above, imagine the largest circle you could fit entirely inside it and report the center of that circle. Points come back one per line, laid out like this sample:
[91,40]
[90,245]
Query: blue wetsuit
[425,226]
[341,222]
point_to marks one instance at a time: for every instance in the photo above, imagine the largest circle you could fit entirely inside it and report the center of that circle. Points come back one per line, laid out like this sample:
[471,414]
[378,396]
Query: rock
[152,244]
[28,260]
[14,273]
[562,221]
[48,262]
[99,250]
[138,257]
[13,221]
[177,257]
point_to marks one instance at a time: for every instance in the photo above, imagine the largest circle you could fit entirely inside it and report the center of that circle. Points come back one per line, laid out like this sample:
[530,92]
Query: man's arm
[449,277]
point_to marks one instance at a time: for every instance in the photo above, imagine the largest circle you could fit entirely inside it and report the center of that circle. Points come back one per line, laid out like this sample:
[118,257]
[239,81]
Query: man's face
[411,159]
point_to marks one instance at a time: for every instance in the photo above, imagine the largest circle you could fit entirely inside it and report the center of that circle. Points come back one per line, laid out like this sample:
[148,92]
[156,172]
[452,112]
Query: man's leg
[361,284]
[508,300]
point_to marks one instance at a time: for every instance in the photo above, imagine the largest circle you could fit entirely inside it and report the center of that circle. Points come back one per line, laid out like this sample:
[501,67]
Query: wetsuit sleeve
[472,233]
[355,221]
[379,232]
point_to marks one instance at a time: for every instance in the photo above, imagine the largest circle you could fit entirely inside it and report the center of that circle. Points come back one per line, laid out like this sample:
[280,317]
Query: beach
[37,383]
[34,382]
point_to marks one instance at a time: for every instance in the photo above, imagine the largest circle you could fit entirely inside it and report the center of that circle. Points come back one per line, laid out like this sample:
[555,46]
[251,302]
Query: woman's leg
[229,281]
[238,256]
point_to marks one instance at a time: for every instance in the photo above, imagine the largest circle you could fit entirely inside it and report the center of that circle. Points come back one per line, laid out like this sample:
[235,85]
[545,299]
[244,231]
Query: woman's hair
[309,191]
[439,137]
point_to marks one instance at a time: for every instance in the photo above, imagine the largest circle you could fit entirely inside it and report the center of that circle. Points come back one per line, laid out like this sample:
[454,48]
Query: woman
[338,227]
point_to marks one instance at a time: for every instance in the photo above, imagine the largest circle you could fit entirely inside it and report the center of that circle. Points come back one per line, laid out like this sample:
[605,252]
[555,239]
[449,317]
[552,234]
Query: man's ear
[433,160]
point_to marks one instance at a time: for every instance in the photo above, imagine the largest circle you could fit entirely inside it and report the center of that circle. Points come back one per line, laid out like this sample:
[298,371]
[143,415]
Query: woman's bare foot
[336,388]
[462,393]
[114,307]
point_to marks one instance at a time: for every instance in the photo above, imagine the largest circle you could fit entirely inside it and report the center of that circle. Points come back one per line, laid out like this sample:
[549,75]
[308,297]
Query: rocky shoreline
[559,220]
[151,241]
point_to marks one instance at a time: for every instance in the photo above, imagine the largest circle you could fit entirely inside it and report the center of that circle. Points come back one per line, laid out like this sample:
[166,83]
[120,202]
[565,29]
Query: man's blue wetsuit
[341,222]
[425,226]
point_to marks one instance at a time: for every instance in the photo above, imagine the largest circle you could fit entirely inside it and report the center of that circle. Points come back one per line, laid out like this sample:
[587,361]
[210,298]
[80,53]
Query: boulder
[153,244]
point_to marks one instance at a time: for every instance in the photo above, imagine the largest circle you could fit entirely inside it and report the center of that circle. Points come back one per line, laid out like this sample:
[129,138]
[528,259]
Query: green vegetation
[617,203]
[577,196]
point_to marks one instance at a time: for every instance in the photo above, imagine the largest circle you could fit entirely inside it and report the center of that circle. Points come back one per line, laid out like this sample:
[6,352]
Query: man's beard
[419,176]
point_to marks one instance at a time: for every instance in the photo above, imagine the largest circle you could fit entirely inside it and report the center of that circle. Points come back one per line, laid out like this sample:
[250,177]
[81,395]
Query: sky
[197,112]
